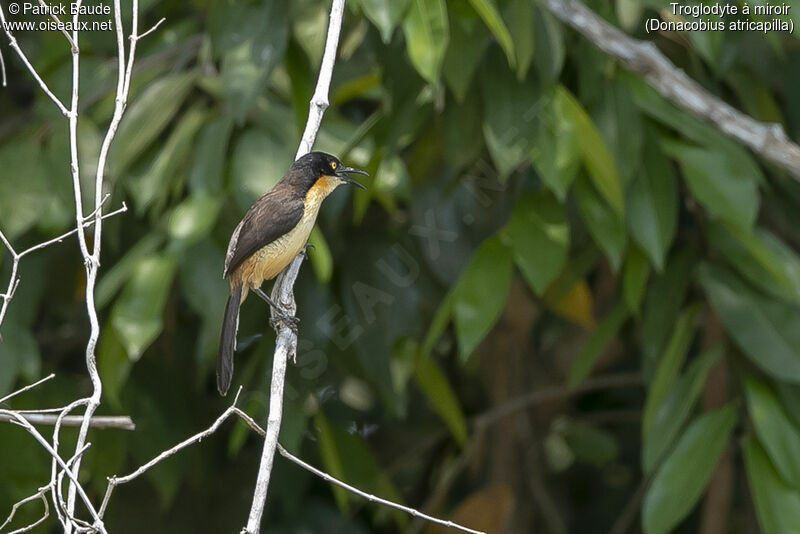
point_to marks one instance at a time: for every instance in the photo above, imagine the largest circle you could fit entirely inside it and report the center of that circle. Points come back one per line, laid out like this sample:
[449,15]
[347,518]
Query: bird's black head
[316,165]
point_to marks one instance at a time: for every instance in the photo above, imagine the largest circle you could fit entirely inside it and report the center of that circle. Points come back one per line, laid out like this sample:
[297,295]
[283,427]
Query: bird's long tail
[227,340]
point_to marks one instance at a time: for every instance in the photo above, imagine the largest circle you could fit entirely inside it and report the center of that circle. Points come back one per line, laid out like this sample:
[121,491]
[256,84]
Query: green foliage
[537,219]
[685,472]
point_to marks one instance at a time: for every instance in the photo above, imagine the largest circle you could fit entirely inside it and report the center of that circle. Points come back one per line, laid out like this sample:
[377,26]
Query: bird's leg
[290,320]
[307,246]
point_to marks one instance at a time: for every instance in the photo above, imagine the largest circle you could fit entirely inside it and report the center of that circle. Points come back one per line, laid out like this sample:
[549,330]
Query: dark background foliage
[561,303]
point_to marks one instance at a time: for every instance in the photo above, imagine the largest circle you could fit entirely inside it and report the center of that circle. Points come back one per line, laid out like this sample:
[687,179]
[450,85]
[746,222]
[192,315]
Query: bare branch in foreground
[27,388]
[41,494]
[644,58]
[121,422]
[115,481]
[372,498]
[65,468]
[282,290]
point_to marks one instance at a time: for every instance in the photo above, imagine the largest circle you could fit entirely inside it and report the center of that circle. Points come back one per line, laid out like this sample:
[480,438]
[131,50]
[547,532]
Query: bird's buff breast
[270,260]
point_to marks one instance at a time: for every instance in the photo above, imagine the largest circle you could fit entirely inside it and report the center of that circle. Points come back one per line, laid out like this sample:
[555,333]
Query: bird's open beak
[343,174]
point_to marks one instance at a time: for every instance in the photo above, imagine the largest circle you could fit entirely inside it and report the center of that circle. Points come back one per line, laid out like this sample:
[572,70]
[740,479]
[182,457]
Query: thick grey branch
[282,291]
[767,140]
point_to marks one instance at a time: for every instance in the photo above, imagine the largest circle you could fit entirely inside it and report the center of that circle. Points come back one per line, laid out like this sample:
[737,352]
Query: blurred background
[562,305]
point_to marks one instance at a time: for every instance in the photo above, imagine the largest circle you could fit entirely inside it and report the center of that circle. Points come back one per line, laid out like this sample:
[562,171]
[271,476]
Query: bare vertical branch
[282,291]
[92,260]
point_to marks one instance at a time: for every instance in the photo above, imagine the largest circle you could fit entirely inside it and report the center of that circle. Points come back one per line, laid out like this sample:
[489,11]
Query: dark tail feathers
[227,341]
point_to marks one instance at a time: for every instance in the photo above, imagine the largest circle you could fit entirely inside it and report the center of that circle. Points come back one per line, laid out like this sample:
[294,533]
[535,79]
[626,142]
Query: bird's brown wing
[270,217]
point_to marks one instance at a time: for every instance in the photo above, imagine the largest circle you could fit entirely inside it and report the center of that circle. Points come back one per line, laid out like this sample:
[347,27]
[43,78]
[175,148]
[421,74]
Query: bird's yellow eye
[333,165]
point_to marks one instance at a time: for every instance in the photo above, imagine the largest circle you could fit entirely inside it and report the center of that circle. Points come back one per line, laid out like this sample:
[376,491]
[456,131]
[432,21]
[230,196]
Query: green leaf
[598,160]
[548,37]
[259,158]
[760,257]
[18,350]
[346,457]
[201,280]
[767,330]
[556,151]
[652,206]
[590,444]
[208,162]
[464,54]
[113,364]
[635,272]
[629,12]
[675,409]
[775,431]
[154,186]
[519,14]
[720,184]
[193,219]
[511,109]
[670,363]
[681,479]
[539,238]
[384,14]
[440,395]
[119,273]
[254,41]
[622,127]
[604,224]
[26,193]
[137,315]
[439,322]
[480,294]
[321,258]
[777,504]
[462,142]
[662,304]
[491,16]
[146,117]
[599,339]
[427,34]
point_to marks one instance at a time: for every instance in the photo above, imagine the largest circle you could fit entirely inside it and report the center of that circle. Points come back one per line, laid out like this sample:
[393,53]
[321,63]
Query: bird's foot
[283,319]
[281,316]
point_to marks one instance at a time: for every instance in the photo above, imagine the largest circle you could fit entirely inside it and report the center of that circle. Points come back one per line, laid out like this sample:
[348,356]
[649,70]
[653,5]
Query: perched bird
[273,231]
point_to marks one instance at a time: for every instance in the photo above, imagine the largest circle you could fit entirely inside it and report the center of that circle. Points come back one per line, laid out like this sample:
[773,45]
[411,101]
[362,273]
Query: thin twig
[41,494]
[115,481]
[89,222]
[19,420]
[372,498]
[27,388]
[72,45]
[12,41]
[122,422]
[233,409]
[148,32]
[644,58]
[282,290]
[3,69]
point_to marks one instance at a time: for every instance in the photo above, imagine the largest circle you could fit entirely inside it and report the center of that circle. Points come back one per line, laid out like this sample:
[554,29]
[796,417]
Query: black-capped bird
[273,231]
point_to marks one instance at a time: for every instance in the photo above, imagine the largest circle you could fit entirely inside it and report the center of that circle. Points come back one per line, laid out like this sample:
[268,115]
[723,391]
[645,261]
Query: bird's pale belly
[268,261]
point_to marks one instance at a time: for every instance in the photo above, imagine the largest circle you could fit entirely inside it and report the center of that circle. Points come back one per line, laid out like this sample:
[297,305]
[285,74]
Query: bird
[272,232]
